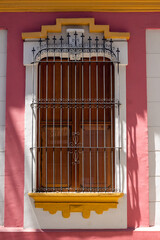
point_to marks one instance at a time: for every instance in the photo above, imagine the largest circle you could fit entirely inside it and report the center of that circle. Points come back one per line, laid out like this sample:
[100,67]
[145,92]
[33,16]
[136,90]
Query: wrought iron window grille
[99,52]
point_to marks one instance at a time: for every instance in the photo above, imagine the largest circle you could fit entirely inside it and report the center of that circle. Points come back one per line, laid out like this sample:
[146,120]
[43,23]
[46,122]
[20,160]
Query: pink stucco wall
[79,235]
[137,150]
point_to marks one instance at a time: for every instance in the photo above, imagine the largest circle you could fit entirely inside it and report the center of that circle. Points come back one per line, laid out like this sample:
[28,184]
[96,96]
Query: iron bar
[82,119]
[75,111]
[39,128]
[54,121]
[46,126]
[111,126]
[75,34]
[107,40]
[76,147]
[80,61]
[90,144]
[104,116]
[39,125]
[119,148]
[68,154]
[76,102]
[117,51]
[61,39]
[33,50]
[97,117]
[79,189]
[119,130]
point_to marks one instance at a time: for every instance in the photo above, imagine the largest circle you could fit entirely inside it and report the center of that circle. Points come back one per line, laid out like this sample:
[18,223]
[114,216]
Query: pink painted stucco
[79,235]
[137,135]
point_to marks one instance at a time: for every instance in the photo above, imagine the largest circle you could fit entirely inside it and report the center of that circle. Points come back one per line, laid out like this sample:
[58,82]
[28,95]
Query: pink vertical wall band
[137,158]
[14,158]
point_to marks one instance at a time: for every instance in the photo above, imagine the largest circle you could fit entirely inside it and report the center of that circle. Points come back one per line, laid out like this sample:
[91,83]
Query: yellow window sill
[76,202]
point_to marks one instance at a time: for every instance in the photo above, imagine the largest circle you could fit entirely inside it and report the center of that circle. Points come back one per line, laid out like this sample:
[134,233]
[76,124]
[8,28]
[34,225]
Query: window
[75,127]
[68,166]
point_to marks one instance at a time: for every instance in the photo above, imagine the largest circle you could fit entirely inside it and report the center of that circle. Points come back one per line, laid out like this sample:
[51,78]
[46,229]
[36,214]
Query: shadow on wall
[14,170]
[154,170]
[71,235]
[132,174]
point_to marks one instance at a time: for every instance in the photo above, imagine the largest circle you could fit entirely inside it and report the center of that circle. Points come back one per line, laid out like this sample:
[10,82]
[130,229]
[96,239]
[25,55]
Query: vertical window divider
[54,39]
[90,143]
[76,153]
[61,170]
[39,120]
[97,99]
[119,130]
[104,111]
[68,138]
[111,117]
[47,39]
[33,101]
[82,116]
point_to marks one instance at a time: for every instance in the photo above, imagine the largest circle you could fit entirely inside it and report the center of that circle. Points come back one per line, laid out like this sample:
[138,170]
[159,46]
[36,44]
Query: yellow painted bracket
[76,202]
[76,21]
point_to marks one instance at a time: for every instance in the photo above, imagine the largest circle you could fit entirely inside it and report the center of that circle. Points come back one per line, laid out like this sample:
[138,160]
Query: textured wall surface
[153,101]
[3,58]
[137,132]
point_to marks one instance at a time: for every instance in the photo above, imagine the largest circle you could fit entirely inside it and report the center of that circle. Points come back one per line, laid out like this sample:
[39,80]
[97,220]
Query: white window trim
[3,60]
[37,218]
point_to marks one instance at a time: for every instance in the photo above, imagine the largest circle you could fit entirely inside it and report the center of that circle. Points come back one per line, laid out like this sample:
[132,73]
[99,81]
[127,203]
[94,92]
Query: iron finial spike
[54,39]
[61,39]
[68,36]
[47,39]
[82,36]
[104,40]
[111,42]
[75,34]
[111,47]
[118,51]
[40,42]
[89,39]
[96,39]
[33,50]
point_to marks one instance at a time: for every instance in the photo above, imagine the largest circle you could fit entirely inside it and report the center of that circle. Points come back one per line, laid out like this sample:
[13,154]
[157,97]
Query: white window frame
[37,218]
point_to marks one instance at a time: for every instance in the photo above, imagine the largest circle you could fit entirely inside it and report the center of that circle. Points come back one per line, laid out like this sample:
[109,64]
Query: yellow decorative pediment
[76,202]
[76,21]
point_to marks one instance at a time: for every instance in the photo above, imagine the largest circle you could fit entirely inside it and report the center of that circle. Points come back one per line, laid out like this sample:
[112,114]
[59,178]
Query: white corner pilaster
[3,58]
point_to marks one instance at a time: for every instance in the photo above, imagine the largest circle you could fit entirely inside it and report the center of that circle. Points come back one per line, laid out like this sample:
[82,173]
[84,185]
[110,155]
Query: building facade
[79,120]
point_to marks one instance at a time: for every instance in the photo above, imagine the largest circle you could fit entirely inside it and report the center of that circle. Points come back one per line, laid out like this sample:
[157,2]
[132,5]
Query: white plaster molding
[37,218]
[153,100]
[3,57]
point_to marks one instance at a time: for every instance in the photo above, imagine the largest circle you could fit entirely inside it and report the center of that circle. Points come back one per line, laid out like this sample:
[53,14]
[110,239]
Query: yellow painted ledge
[76,21]
[76,202]
[80,5]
